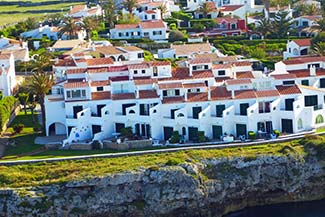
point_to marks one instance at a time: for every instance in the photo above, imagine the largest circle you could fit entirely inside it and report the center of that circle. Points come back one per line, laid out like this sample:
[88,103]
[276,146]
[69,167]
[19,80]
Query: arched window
[300,125]
[319,119]
[180,115]
[131,112]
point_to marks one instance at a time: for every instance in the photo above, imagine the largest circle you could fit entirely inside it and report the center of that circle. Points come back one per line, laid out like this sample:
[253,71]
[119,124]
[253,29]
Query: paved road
[135,153]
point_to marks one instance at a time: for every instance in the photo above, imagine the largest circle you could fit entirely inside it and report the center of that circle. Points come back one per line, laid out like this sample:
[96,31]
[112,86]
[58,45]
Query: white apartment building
[7,74]
[96,101]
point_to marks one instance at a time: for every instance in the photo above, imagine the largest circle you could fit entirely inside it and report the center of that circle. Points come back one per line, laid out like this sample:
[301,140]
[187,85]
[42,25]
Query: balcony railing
[318,107]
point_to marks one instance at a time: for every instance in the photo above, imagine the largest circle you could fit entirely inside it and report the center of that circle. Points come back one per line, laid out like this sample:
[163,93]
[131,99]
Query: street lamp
[288,33]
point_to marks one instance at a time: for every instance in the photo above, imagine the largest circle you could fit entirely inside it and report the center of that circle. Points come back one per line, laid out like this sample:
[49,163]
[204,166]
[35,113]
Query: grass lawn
[24,141]
[59,172]
[15,13]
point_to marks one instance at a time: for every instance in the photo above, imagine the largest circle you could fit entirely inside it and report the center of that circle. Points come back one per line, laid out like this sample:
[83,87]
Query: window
[140,55]
[194,67]
[206,67]
[219,110]
[311,100]
[76,94]
[120,34]
[300,124]
[100,88]
[143,71]
[176,92]
[288,82]
[305,82]
[264,107]
[153,16]
[233,26]
[135,72]
[316,65]
[322,83]
[243,108]
[126,34]
[319,119]
[155,71]
[222,72]
[146,34]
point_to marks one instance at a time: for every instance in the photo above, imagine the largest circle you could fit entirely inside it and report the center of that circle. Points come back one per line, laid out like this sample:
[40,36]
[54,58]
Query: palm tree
[319,49]
[320,25]
[129,5]
[205,9]
[281,24]
[264,27]
[90,24]
[69,26]
[110,12]
[163,10]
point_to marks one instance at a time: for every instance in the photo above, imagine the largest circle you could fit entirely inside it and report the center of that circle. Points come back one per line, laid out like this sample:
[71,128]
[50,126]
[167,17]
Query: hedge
[7,105]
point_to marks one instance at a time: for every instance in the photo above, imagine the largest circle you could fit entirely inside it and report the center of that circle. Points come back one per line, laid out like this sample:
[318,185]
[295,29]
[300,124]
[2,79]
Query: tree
[163,10]
[41,83]
[69,26]
[320,27]
[176,35]
[128,19]
[129,5]
[90,24]
[264,27]
[23,98]
[110,12]
[205,9]
[281,24]
[319,49]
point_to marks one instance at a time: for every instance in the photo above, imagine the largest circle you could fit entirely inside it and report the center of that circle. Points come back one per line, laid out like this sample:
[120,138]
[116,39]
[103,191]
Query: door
[289,104]
[99,110]
[322,83]
[168,132]
[96,129]
[216,132]
[193,133]
[196,111]
[241,129]
[76,109]
[220,109]
[287,126]
[269,127]
[125,106]
[243,108]
[172,113]
[137,129]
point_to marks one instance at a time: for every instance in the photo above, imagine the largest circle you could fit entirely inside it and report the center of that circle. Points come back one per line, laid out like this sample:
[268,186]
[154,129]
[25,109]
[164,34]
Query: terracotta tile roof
[78,84]
[197,97]
[118,68]
[123,96]
[131,48]
[101,95]
[221,79]
[303,42]
[288,89]
[302,60]
[175,99]
[77,8]
[242,63]
[199,61]
[320,72]
[99,61]
[173,85]
[63,44]
[245,94]
[148,94]
[215,58]
[230,7]
[284,76]
[18,53]
[312,17]
[303,73]
[75,71]
[143,65]
[221,66]
[244,75]
[238,81]
[150,12]
[99,83]
[126,26]
[267,93]
[193,85]
[119,78]
[4,56]
[98,70]
[109,50]
[182,73]
[93,10]
[226,19]
[188,49]
[152,24]
[220,93]
[65,62]
[159,63]
[144,81]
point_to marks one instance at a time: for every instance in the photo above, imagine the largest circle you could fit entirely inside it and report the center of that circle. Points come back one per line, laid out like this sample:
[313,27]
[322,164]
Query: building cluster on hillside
[95,98]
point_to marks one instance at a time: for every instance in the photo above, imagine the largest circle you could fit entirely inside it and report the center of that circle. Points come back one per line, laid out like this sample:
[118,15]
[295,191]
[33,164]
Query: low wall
[80,146]
[127,145]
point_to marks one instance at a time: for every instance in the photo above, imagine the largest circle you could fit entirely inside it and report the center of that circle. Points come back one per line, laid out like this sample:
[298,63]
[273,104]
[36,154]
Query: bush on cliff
[316,143]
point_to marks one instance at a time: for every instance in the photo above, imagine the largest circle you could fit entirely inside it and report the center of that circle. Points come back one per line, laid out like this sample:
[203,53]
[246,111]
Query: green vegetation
[7,105]
[24,9]
[22,142]
[252,135]
[59,172]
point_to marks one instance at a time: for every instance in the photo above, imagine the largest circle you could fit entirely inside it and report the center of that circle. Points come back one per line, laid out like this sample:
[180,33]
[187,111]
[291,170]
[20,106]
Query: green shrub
[175,137]
[201,136]
[126,132]
[95,145]
[18,128]
[173,161]
[277,133]
[176,35]
[252,135]
[7,105]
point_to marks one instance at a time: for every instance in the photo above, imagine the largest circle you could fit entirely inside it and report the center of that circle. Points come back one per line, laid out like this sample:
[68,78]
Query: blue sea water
[303,209]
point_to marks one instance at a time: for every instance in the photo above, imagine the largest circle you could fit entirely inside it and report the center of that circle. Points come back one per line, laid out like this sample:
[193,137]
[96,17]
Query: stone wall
[210,188]
[127,145]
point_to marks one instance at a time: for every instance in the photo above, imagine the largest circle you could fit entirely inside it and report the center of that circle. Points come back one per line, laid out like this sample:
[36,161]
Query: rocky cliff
[207,188]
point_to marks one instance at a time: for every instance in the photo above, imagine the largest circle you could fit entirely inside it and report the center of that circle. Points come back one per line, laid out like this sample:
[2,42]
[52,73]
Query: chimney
[232,94]
[185,95]
[312,71]
[137,93]
[209,93]
[234,73]
[190,70]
